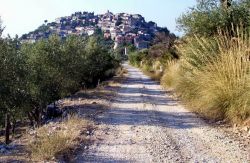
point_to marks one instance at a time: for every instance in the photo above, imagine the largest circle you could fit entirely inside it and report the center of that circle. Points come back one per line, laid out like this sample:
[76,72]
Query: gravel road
[144,124]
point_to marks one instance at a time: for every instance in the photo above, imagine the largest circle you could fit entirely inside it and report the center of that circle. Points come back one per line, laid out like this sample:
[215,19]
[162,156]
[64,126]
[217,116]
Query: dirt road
[145,125]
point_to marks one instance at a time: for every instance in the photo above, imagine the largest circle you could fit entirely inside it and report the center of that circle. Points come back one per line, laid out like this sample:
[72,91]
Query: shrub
[58,68]
[48,146]
[136,57]
[214,77]
[208,16]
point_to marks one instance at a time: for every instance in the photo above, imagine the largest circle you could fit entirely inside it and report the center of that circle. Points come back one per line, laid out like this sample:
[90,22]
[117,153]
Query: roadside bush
[214,77]
[153,60]
[58,68]
[136,57]
[97,62]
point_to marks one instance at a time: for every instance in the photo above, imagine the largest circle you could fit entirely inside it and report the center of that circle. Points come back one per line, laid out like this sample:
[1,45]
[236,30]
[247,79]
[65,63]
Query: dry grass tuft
[171,75]
[214,77]
[155,75]
[54,140]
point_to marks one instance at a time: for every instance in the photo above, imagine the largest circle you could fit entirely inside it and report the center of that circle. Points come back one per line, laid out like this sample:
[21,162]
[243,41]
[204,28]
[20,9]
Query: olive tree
[12,82]
[38,74]
[210,15]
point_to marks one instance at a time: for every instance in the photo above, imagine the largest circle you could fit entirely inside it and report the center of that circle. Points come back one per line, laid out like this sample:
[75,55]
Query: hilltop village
[121,28]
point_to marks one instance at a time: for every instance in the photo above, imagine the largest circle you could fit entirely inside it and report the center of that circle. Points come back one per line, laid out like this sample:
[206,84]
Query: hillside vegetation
[209,67]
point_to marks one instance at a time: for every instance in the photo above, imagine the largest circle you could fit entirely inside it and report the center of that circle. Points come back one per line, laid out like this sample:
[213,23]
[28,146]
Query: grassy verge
[170,77]
[55,140]
[61,141]
[212,76]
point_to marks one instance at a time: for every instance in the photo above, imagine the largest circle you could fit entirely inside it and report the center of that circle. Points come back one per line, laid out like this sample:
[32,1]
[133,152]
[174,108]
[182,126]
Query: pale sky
[23,16]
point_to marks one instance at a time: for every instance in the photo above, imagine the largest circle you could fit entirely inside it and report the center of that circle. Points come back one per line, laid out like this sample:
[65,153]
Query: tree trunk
[37,116]
[7,128]
[31,119]
[13,128]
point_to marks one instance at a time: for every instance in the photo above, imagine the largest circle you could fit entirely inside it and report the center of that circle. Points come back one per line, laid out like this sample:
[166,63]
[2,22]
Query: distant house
[120,27]
[129,38]
[107,35]
[90,32]
[69,32]
[79,28]
[125,28]
[114,33]
[52,27]
[120,39]
[58,20]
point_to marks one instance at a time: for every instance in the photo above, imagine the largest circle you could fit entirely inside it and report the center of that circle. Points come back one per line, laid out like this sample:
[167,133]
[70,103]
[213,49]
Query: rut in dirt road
[145,125]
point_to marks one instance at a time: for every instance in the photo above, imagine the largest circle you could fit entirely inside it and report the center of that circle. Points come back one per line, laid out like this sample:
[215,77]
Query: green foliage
[35,75]
[97,61]
[212,75]
[120,51]
[12,82]
[135,58]
[162,51]
[208,16]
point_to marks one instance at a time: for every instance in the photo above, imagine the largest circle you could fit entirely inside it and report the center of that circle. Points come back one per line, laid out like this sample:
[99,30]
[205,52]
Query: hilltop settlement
[121,28]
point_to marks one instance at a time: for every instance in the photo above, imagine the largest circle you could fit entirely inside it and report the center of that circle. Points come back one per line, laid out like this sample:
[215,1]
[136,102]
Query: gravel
[144,124]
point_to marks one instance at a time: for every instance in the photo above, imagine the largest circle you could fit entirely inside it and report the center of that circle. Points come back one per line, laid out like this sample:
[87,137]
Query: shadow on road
[129,96]
[132,116]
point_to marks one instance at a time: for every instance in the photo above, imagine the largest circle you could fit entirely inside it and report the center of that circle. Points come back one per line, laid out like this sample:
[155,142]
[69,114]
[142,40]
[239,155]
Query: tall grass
[170,77]
[214,76]
[226,86]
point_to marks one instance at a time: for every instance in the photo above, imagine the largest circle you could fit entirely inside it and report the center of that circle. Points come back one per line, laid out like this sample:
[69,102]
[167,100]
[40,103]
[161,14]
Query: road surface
[144,124]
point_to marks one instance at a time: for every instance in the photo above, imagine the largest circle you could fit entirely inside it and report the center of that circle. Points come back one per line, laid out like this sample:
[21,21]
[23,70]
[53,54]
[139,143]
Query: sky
[23,16]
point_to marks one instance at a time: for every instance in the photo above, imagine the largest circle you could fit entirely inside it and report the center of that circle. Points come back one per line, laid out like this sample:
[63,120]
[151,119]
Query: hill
[121,27]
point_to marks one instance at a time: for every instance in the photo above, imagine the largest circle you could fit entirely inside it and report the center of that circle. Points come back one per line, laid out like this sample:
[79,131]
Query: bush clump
[214,76]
